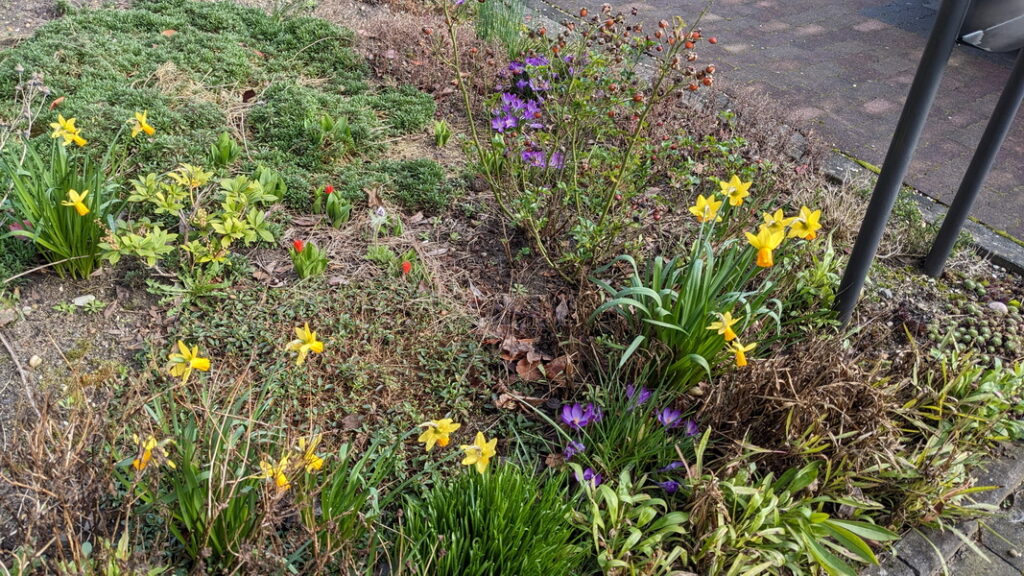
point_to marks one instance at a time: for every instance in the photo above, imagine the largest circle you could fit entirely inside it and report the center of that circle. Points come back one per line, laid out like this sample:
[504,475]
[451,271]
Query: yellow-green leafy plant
[755,521]
[224,151]
[442,133]
[211,216]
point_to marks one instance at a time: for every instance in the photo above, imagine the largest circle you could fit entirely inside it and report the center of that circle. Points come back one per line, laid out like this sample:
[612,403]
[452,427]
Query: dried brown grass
[815,393]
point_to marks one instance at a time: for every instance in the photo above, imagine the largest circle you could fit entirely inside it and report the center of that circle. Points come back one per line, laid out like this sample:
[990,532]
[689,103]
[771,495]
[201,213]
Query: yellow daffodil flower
[806,225]
[310,461]
[77,201]
[183,362]
[277,473]
[480,452]
[304,343]
[139,124]
[437,432]
[765,241]
[777,222]
[65,128]
[735,190]
[706,209]
[737,348]
[724,326]
[149,449]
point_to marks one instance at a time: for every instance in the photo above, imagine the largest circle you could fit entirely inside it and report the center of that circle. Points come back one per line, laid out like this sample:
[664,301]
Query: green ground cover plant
[595,341]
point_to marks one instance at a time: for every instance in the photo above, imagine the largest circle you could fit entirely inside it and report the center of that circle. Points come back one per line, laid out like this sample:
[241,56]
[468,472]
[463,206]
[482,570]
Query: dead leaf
[514,348]
[248,94]
[558,369]
[415,218]
[506,402]
[110,309]
[372,198]
[554,460]
[529,371]
[168,33]
[56,102]
[337,281]
[561,311]
[352,421]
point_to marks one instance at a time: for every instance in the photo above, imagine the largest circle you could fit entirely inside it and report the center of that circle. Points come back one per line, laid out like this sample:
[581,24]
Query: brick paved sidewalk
[843,68]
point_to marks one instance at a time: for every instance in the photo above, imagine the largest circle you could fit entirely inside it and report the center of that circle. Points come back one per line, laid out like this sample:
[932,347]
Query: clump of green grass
[415,185]
[405,109]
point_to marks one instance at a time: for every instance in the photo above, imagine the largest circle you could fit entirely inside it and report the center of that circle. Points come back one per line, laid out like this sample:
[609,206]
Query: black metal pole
[998,125]
[901,150]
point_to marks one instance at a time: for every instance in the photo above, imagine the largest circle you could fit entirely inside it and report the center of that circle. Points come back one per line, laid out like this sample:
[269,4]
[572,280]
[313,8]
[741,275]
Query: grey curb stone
[1000,250]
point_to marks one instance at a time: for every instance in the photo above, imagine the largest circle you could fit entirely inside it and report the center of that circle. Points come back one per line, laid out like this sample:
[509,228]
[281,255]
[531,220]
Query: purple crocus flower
[539,85]
[590,476]
[504,122]
[690,428]
[557,160]
[670,418]
[534,158]
[537,61]
[577,416]
[510,102]
[516,67]
[672,466]
[573,448]
[523,84]
[531,109]
[637,395]
[670,486]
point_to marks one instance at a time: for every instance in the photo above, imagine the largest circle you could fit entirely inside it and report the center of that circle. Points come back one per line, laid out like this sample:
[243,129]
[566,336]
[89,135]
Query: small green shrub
[502,522]
[15,254]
